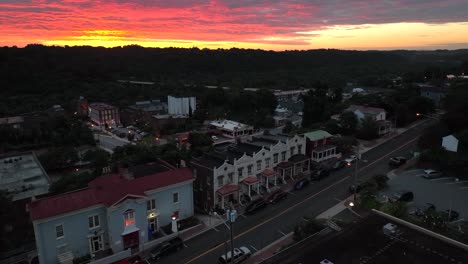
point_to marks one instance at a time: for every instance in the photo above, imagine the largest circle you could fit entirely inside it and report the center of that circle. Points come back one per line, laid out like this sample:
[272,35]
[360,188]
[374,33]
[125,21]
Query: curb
[203,231]
[288,235]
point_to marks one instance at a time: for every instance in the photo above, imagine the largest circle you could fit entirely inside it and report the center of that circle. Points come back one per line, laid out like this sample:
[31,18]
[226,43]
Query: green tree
[348,123]
[368,129]
[397,209]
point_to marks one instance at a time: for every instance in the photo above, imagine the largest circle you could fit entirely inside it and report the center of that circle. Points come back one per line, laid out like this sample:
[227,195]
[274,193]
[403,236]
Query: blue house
[116,213]
[435,93]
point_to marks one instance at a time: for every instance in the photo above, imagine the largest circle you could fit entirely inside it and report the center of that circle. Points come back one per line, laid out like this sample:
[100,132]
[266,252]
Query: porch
[228,194]
[285,171]
[385,127]
[324,153]
[251,186]
[268,178]
[300,164]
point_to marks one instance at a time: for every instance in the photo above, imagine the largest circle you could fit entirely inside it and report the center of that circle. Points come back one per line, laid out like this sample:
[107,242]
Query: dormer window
[129,217]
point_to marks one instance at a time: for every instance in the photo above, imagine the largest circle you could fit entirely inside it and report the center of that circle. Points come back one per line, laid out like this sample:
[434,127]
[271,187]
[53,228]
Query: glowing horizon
[269,25]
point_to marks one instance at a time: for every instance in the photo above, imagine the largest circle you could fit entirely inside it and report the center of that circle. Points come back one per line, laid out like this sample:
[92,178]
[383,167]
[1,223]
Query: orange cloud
[276,25]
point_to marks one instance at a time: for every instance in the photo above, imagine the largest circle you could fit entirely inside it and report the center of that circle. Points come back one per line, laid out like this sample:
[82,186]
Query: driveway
[442,192]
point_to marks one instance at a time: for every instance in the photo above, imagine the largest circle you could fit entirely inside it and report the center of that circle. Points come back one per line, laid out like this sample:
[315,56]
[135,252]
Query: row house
[115,214]
[246,168]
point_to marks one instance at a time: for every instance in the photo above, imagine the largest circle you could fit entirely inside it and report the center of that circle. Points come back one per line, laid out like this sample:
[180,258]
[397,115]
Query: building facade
[231,129]
[113,214]
[319,146]
[245,169]
[181,105]
[104,114]
[379,115]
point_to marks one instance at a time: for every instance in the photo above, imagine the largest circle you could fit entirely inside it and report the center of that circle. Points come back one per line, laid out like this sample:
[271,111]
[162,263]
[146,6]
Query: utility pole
[231,215]
[358,157]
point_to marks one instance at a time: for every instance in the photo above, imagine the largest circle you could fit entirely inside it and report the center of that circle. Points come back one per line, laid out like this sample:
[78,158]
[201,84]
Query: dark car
[255,206]
[450,215]
[397,161]
[355,188]
[319,174]
[167,248]
[277,196]
[301,184]
[338,165]
[403,196]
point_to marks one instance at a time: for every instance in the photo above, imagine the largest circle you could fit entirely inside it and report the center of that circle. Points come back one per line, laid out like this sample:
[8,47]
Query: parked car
[319,174]
[240,254]
[166,248]
[432,174]
[402,196]
[351,159]
[450,215]
[301,184]
[277,196]
[397,161]
[338,165]
[214,137]
[255,206]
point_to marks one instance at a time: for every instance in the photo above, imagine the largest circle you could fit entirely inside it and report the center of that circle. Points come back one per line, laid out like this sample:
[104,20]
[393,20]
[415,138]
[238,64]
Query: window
[249,169]
[93,221]
[267,162]
[129,217]
[299,149]
[292,150]
[95,243]
[259,165]
[175,197]
[275,158]
[220,181]
[230,177]
[150,205]
[59,233]
[240,171]
[283,156]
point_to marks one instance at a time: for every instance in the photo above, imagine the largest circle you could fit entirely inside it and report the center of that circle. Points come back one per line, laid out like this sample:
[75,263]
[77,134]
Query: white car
[240,254]
[432,174]
[351,159]
[214,137]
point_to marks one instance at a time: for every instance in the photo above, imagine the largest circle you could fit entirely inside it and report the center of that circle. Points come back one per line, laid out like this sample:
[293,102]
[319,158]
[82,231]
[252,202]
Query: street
[258,230]
[109,143]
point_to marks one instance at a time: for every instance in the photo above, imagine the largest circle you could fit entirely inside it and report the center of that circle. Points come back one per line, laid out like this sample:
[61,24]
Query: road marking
[305,219]
[457,182]
[300,203]
[147,261]
[336,199]
[185,245]
[281,232]
[443,178]
[292,193]
[215,229]
[245,217]
[253,248]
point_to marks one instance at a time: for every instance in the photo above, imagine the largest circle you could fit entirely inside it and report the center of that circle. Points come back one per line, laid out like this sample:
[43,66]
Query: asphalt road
[258,230]
[109,142]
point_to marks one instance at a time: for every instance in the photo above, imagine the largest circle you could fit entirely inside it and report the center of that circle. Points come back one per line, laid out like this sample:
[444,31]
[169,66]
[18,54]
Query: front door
[95,243]
[131,240]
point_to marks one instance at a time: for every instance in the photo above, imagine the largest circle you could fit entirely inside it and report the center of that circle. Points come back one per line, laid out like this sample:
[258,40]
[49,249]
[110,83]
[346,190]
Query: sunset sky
[272,25]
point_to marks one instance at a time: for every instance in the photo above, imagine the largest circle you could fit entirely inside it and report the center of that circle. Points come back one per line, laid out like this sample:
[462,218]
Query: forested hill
[55,74]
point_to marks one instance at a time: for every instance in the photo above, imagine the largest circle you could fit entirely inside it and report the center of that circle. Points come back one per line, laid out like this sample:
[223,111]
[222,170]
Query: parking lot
[444,192]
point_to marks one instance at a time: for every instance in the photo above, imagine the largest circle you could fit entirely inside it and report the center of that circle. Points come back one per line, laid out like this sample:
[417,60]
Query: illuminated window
[129,217]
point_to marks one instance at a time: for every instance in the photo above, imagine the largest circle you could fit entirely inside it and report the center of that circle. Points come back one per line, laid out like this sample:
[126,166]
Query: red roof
[268,172]
[105,190]
[250,180]
[228,189]
[284,164]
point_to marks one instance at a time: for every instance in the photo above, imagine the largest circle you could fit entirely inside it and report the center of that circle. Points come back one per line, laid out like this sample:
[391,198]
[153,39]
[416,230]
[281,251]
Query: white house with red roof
[114,215]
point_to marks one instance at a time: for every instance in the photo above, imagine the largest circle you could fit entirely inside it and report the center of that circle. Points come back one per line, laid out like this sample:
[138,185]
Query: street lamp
[431,117]
[358,157]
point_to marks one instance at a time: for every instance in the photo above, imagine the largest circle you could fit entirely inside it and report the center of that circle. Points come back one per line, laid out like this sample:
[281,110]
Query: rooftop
[106,190]
[101,106]
[23,176]
[365,242]
[150,106]
[11,120]
[365,109]
[229,124]
[317,135]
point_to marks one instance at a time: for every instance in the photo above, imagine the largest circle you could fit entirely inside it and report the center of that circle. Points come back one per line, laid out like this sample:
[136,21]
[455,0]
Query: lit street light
[431,117]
